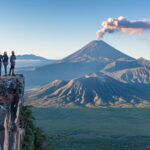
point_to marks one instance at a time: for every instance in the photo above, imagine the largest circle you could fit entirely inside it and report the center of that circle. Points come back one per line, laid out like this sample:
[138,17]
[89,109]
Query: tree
[35,138]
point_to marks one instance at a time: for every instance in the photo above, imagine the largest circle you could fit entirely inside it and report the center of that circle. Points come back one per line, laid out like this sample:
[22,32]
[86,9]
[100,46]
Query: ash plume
[121,24]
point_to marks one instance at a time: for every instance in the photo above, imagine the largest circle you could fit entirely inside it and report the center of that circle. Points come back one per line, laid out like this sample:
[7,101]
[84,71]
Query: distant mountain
[91,58]
[95,90]
[31,61]
[30,57]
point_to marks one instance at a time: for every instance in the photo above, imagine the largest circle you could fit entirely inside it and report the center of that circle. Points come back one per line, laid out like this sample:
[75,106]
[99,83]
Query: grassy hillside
[94,129]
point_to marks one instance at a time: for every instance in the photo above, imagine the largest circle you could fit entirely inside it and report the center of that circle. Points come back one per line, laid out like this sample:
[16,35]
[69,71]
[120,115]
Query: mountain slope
[139,75]
[96,51]
[120,64]
[93,90]
[144,62]
[91,58]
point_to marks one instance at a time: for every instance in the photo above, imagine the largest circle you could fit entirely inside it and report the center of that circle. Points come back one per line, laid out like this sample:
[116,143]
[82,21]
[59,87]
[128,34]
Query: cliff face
[11,100]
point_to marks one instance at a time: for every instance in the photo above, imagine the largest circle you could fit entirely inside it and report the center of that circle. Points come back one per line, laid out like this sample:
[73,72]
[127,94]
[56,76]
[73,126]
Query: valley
[95,129]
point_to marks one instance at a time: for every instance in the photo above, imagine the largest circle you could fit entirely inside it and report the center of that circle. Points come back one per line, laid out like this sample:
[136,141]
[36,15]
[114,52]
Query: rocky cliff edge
[11,100]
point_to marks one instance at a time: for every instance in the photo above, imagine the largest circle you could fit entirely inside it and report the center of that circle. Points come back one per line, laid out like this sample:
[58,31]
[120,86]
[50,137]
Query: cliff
[11,100]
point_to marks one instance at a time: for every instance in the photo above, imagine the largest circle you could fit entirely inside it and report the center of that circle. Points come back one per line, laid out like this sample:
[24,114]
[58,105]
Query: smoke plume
[123,25]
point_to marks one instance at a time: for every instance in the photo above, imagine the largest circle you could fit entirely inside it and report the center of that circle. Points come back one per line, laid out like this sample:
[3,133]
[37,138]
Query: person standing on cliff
[5,62]
[12,63]
[1,61]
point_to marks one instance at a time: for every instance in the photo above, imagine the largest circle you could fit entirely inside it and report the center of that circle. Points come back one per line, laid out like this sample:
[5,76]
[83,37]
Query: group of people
[4,60]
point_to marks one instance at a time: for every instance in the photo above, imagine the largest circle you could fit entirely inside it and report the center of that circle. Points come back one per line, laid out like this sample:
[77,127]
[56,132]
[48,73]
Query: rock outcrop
[11,100]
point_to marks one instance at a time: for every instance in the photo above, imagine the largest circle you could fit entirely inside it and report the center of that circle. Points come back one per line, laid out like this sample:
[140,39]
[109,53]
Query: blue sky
[57,28]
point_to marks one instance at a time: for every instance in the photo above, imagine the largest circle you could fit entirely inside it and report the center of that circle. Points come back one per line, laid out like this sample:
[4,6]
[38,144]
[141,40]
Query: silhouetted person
[5,62]
[1,61]
[12,63]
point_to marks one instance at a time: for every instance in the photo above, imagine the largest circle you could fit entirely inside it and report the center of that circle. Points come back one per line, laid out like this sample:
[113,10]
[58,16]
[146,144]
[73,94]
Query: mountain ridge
[30,61]
[144,62]
[91,58]
[95,90]
[31,56]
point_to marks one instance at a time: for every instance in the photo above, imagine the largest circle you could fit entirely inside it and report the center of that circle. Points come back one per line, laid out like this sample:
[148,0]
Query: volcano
[96,51]
[93,57]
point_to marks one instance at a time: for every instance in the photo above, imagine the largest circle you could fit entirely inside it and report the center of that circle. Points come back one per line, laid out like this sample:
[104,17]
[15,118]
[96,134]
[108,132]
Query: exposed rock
[144,62]
[11,100]
[95,90]
[138,75]
[121,64]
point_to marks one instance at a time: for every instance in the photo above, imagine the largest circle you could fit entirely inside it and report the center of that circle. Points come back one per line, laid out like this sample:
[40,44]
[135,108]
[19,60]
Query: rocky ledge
[11,100]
